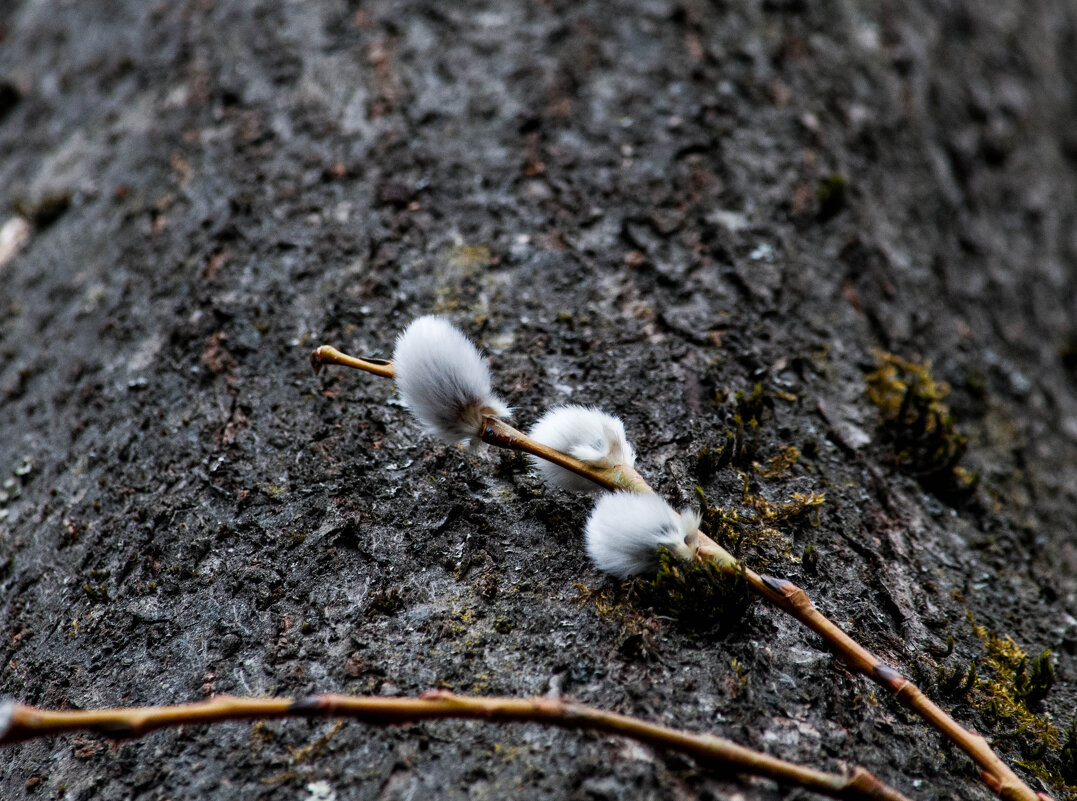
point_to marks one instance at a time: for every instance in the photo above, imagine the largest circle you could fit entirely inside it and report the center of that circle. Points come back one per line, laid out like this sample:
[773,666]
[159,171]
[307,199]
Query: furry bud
[594,437]
[443,380]
[7,717]
[626,529]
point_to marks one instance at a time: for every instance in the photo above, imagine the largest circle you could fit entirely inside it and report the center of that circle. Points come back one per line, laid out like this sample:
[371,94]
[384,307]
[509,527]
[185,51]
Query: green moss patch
[917,427]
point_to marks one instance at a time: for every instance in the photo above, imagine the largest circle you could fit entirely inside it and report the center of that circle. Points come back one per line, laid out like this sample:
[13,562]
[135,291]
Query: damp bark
[651,207]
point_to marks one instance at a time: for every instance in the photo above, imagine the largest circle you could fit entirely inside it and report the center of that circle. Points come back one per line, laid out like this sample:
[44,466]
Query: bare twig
[784,594]
[327,354]
[19,723]
[792,599]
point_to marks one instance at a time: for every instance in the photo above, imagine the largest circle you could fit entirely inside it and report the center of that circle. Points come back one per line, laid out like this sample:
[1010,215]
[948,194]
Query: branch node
[886,674]
[307,706]
[436,695]
[778,585]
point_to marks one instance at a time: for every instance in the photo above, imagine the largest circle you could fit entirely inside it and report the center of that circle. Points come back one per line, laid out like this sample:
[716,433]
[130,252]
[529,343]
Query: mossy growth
[1034,679]
[699,595]
[1055,771]
[777,466]
[800,504]
[755,519]
[1019,683]
[954,684]
[97,593]
[616,604]
[1007,688]
[918,427]
[1068,755]
[741,437]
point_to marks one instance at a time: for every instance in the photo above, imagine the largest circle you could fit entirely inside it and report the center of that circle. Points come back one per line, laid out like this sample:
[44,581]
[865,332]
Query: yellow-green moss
[613,604]
[1008,687]
[755,519]
[777,466]
[1014,685]
[740,440]
[1068,755]
[917,426]
[698,594]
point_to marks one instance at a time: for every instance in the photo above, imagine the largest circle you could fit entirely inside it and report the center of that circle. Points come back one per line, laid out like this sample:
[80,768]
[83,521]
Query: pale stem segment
[784,594]
[19,723]
[327,354]
[710,551]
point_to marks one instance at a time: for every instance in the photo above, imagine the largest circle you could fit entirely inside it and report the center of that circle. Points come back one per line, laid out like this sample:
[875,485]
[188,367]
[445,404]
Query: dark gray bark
[642,206]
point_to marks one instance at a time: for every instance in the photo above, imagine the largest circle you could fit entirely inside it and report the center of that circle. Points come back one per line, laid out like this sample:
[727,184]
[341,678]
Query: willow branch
[19,723]
[327,354]
[793,600]
[621,477]
[497,432]
[781,593]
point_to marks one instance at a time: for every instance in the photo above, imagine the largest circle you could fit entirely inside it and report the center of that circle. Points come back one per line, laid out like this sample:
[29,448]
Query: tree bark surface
[647,207]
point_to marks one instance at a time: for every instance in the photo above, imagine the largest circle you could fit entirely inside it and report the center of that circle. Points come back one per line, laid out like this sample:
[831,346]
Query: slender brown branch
[327,354]
[622,477]
[787,597]
[497,432]
[793,600]
[27,722]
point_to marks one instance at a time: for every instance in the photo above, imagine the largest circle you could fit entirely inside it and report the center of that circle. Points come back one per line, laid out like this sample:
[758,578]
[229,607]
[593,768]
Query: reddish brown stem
[19,723]
[791,599]
[622,477]
[497,432]
[786,596]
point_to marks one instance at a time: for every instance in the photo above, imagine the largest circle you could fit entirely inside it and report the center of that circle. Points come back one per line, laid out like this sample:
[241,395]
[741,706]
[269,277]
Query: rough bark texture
[645,206]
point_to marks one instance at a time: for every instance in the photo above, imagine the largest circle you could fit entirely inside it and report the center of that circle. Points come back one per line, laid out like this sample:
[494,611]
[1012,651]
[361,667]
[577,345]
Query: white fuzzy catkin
[594,437]
[625,530]
[443,380]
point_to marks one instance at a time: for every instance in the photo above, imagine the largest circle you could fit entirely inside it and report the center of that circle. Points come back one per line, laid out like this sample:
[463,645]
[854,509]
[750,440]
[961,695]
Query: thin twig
[27,722]
[327,354]
[792,599]
[496,431]
[620,477]
[784,594]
